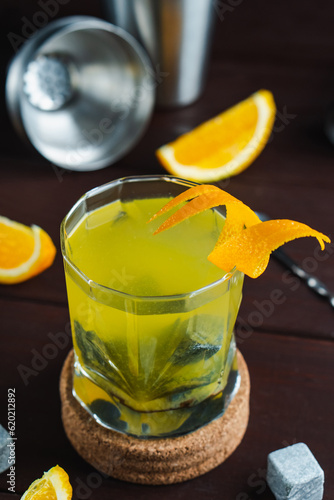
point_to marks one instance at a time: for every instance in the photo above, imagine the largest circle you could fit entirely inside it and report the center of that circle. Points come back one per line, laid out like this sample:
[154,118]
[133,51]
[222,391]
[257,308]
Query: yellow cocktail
[152,318]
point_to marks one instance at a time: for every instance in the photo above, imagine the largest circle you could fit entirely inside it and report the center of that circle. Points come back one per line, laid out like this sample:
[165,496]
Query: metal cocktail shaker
[82,91]
[177,35]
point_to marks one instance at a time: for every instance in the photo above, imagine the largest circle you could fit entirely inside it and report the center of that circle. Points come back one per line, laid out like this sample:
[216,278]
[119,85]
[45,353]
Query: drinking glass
[152,319]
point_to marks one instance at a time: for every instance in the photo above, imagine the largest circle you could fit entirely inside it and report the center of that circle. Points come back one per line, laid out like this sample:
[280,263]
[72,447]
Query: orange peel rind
[250,249]
[201,198]
[245,242]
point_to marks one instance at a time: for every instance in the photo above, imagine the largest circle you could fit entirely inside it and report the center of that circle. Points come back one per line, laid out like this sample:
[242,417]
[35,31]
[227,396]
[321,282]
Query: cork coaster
[154,461]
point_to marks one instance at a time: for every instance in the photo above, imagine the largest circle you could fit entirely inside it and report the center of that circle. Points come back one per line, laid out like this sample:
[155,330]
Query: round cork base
[154,461]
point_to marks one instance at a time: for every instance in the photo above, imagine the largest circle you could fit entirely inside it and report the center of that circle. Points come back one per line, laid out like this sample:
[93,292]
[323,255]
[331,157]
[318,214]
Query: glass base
[110,411]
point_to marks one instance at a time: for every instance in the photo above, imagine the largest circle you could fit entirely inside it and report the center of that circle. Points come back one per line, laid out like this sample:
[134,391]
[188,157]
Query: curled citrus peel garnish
[245,242]
[201,198]
[250,249]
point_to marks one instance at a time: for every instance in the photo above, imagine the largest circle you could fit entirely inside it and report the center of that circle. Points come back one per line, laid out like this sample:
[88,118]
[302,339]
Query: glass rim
[149,298]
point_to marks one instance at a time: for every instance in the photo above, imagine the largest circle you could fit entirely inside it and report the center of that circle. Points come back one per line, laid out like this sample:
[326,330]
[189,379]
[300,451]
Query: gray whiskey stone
[5,440]
[294,474]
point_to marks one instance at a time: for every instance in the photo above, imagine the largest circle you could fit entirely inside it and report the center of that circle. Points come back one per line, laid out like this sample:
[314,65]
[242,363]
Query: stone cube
[294,474]
[5,440]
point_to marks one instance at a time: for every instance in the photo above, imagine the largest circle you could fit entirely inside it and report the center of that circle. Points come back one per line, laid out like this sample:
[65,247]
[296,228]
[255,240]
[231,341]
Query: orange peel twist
[245,242]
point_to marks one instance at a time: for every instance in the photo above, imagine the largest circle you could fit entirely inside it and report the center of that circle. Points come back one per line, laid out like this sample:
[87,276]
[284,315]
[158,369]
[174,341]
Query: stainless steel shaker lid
[82,91]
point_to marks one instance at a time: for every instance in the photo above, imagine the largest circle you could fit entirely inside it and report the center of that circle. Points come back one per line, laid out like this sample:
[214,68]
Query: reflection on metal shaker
[177,35]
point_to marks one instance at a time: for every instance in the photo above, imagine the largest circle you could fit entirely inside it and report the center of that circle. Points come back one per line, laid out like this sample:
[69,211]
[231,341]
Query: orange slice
[24,251]
[225,145]
[245,242]
[53,485]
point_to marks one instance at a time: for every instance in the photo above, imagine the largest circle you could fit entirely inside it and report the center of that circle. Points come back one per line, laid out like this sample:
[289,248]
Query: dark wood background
[287,47]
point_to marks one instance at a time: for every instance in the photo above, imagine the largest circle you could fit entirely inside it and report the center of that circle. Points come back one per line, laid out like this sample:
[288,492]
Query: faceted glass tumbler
[149,366]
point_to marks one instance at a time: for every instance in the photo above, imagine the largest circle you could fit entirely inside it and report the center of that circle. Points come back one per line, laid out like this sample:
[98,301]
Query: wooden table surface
[289,347]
